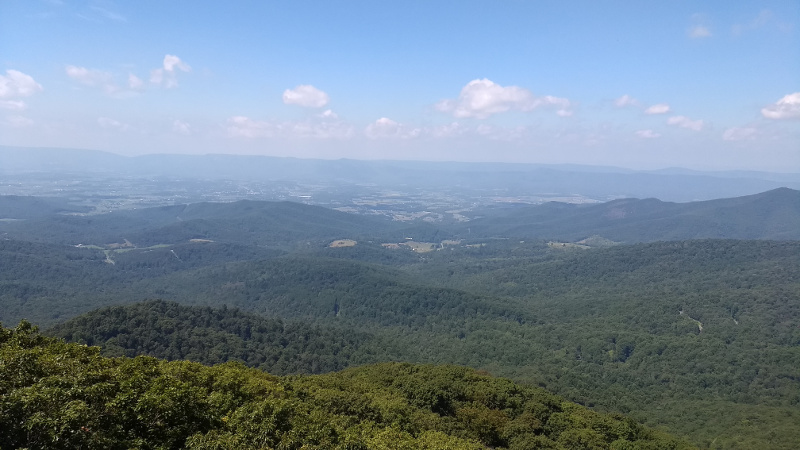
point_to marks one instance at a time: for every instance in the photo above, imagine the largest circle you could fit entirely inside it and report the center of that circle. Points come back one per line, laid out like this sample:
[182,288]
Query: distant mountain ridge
[592,181]
[245,221]
[769,215]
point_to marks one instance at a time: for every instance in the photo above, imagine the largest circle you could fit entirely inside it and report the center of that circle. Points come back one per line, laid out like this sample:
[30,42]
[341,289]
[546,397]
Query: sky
[707,85]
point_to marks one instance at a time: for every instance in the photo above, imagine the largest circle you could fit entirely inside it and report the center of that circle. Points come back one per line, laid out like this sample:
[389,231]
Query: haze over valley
[636,306]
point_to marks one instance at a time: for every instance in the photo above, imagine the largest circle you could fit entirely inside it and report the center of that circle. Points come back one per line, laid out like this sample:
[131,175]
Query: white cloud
[112,124]
[172,62]
[626,100]
[90,77]
[388,128]
[181,127]
[94,78]
[18,121]
[449,130]
[564,113]
[786,108]
[157,76]
[647,134]
[482,98]
[501,133]
[241,126]
[305,95]
[739,133]
[328,114]
[685,122]
[105,81]
[17,84]
[660,108]
[698,31]
[13,105]
[320,130]
[167,75]
[134,82]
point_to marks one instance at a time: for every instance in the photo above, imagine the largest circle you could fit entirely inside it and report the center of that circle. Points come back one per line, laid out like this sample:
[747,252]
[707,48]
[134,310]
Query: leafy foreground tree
[59,395]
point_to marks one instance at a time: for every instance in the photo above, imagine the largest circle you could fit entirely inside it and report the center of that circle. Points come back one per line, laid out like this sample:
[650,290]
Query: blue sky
[639,84]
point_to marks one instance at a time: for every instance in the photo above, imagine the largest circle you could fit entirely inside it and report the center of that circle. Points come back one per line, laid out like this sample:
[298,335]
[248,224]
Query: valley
[645,314]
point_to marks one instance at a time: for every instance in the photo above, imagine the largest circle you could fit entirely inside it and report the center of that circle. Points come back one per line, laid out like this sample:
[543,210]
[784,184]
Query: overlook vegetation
[698,337]
[58,395]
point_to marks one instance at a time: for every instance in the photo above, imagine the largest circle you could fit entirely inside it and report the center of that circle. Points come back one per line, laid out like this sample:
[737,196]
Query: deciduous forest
[266,335]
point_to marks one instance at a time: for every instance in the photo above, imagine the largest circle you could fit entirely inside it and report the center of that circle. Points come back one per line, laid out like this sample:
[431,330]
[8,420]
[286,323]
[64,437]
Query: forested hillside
[649,330]
[769,215]
[15,207]
[275,224]
[56,395]
[698,336]
[171,331]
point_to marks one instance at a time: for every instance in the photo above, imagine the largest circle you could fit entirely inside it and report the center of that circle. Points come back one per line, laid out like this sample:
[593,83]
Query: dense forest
[698,337]
[171,331]
[59,395]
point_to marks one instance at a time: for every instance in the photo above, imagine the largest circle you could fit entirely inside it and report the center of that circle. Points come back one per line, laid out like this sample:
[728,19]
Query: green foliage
[210,336]
[601,327]
[616,329]
[58,395]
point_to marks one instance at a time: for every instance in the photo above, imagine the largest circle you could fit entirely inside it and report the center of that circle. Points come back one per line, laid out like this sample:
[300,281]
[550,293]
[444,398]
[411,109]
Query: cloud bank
[483,98]
[305,95]
[685,122]
[15,84]
[660,108]
[167,75]
[786,108]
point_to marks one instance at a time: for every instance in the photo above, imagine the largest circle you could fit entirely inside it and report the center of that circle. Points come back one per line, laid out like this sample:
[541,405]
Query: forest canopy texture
[634,307]
[59,395]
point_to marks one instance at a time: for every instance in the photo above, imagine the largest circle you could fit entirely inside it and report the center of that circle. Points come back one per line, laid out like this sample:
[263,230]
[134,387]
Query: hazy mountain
[769,215]
[17,207]
[273,223]
[590,181]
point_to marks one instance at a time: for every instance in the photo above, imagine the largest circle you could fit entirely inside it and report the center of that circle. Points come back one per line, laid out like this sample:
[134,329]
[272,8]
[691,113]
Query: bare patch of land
[566,245]
[342,243]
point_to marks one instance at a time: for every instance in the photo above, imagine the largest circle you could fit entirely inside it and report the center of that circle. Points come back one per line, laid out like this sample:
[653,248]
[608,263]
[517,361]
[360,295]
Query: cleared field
[342,243]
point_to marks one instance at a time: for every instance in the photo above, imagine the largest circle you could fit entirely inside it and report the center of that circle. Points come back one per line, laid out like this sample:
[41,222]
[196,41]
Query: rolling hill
[695,335]
[57,395]
[769,215]
[648,329]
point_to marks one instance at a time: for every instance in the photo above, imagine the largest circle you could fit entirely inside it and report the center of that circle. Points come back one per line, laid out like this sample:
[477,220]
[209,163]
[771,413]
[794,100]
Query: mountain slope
[648,329]
[770,215]
[512,179]
[246,222]
[57,395]
[210,336]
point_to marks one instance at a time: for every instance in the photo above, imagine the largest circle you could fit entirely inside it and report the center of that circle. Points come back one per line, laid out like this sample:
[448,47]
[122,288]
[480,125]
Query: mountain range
[592,181]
